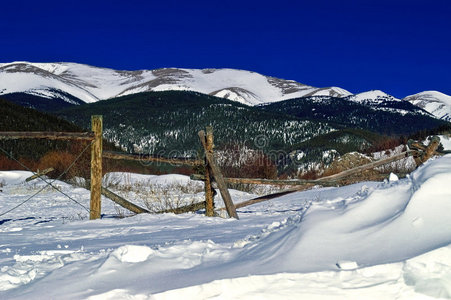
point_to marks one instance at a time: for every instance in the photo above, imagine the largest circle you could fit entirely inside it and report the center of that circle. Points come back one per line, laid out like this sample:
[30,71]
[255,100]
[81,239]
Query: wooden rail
[325,181]
[123,202]
[293,182]
[50,135]
[39,174]
[369,166]
[266,198]
[184,209]
[139,210]
[146,158]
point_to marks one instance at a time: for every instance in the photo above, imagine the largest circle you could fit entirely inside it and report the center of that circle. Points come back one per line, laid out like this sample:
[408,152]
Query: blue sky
[401,47]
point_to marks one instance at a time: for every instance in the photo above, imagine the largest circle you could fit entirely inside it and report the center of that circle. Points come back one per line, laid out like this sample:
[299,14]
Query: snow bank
[424,277]
[445,141]
[125,178]
[394,222]
[14,177]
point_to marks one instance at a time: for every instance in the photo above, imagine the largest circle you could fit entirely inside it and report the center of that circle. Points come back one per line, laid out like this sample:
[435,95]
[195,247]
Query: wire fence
[48,183]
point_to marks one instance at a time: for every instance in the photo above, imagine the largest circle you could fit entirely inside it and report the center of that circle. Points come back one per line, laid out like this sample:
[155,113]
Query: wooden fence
[212,171]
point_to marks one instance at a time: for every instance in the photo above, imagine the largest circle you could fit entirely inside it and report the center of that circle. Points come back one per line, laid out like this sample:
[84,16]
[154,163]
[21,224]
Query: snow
[36,84]
[372,96]
[371,240]
[445,140]
[16,177]
[393,177]
[347,265]
[436,103]
[92,84]
[125,178]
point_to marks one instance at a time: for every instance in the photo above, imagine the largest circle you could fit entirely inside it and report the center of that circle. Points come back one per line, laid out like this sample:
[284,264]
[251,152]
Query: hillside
[386,116]
[19,118]
[297,135]
[40,102]
[164,122]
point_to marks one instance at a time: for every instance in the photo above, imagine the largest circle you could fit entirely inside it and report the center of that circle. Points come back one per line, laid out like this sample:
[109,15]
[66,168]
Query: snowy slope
[372,96]
[380,100]
[436,103]
[370,240]
[91,84]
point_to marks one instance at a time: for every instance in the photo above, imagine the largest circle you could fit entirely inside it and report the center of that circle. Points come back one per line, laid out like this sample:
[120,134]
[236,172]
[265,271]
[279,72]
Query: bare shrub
[59,161]
[158,200]
[240,161]
[7,164]
[155,197]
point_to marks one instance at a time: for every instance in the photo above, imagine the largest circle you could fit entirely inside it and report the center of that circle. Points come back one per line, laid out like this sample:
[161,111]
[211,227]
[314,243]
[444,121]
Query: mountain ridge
[92,84]
[437,103]
[75,83]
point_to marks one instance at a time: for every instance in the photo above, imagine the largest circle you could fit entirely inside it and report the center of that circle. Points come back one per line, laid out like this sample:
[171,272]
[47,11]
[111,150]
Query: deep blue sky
[401,47]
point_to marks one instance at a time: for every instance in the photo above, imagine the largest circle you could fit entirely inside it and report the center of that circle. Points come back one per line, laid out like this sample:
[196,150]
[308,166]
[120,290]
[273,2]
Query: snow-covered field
[372,240]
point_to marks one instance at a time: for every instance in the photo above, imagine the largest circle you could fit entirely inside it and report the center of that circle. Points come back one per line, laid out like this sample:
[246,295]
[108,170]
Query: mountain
[54,86]
[436,103]
[71,81]
[373,111]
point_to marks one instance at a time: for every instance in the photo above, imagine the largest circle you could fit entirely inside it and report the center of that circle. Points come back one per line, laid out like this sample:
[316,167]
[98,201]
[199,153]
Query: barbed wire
[47,183]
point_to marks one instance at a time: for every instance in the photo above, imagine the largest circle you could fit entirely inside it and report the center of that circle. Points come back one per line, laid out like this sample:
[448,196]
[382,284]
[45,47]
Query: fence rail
[325,181]
[148,158]
[49,135]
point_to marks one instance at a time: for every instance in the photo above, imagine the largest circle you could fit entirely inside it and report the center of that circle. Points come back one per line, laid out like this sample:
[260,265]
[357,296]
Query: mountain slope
[44,103]
[436,103]
[166,123]
[91,84]
[383,115]
[18,118]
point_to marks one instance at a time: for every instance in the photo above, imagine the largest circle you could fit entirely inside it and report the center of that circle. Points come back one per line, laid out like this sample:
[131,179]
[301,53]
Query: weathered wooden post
[423,153]
[209,206]
[96,167]
[219,178]
[430,149]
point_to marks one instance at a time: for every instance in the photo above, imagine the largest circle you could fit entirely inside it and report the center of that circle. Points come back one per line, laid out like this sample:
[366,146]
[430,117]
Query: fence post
[209,206]
[219,178]
[96,167]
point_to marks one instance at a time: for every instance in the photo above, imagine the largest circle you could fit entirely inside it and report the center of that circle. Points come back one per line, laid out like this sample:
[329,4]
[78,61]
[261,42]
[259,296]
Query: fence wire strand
[47,183]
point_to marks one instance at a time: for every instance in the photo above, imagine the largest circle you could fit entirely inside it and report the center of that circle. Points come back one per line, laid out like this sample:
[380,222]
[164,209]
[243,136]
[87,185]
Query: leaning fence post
[209,206]
[96,167]
[219,178]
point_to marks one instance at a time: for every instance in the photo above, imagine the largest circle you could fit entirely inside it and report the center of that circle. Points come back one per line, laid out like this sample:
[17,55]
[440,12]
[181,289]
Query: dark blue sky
[401,47]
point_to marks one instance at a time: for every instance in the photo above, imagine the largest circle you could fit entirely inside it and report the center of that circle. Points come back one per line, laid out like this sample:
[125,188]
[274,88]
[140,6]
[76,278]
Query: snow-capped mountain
[91,84]
[72,83]
[436,103]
